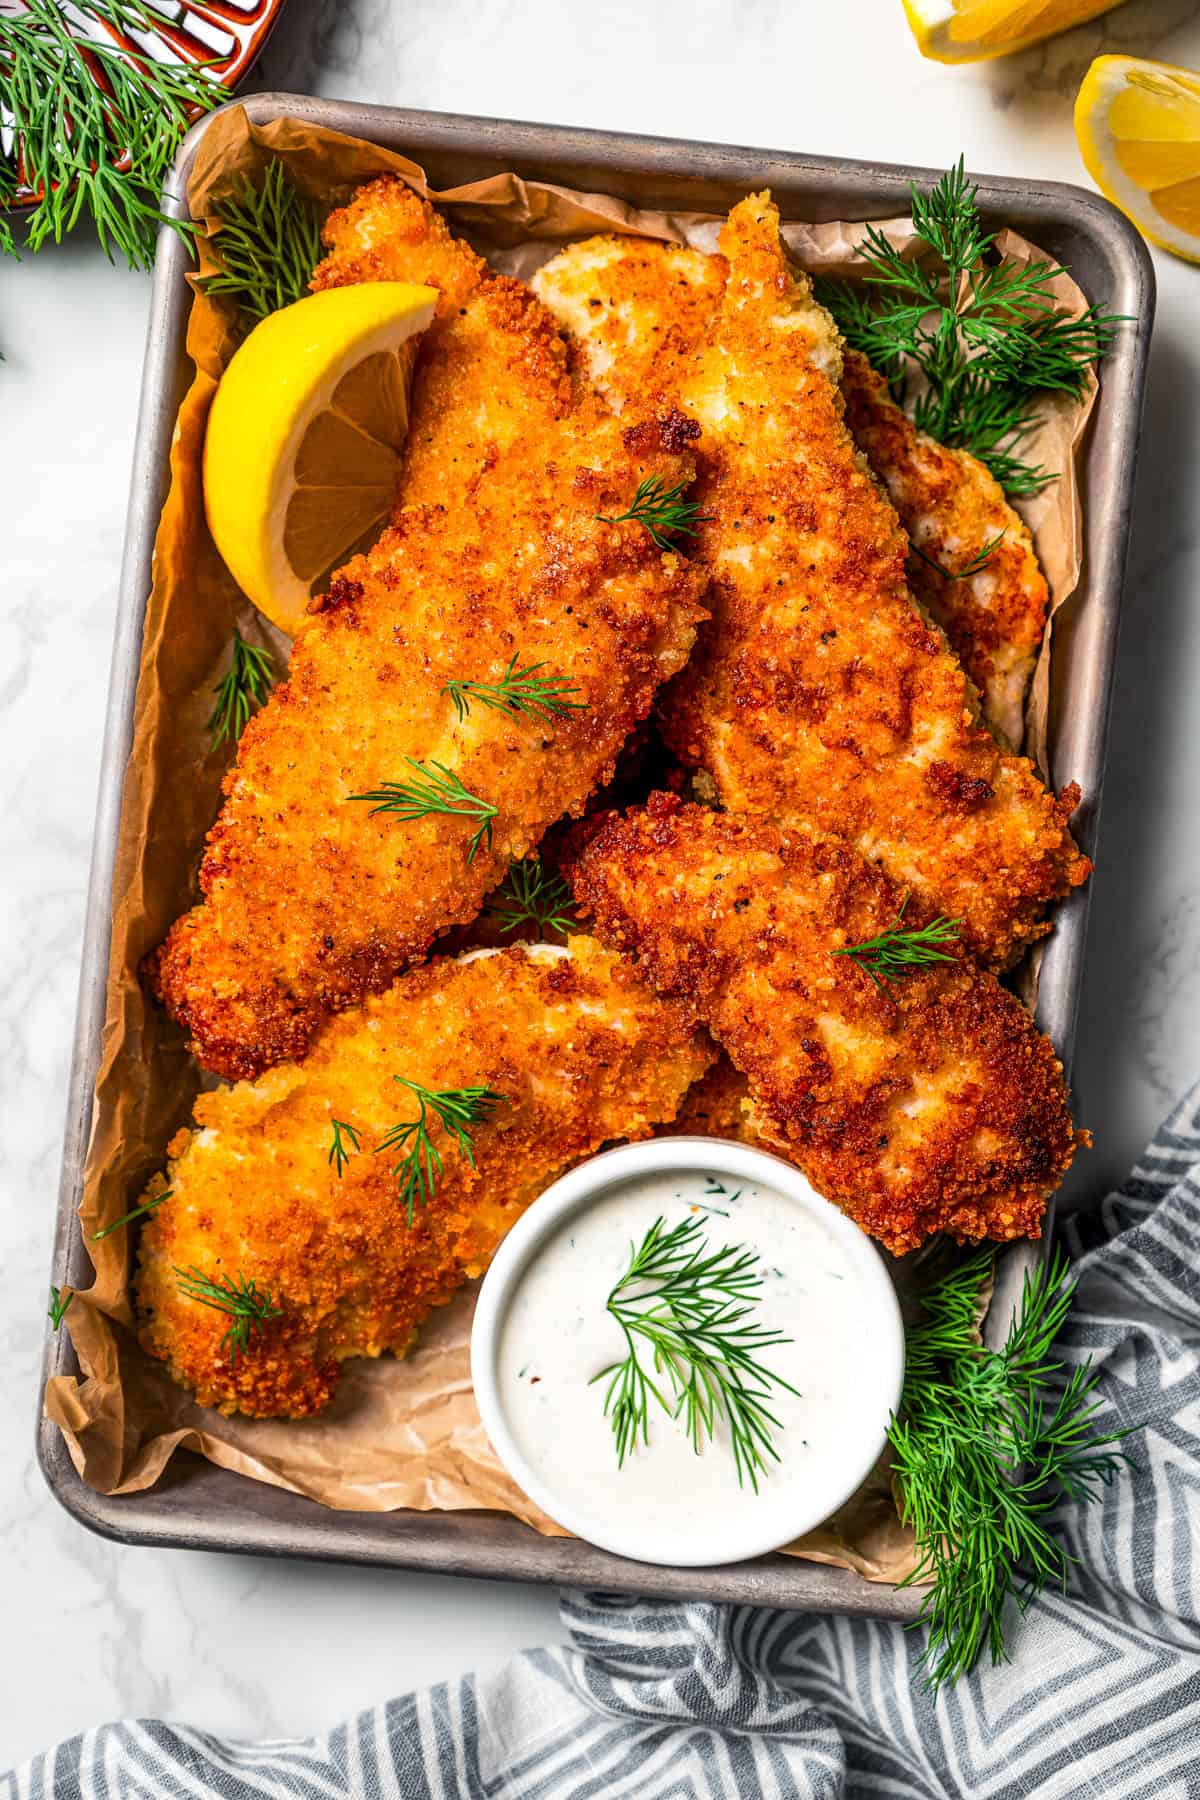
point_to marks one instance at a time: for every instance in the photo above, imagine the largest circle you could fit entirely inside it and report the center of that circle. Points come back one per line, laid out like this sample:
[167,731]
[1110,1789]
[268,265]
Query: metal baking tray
[199,1506]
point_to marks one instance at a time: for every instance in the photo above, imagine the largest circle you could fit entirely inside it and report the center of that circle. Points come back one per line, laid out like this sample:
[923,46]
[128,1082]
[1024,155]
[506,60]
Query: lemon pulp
[1138,127]
[304,439]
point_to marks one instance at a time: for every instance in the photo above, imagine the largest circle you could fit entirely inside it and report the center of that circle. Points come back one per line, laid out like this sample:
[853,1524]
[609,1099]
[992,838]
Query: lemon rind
[1103,82]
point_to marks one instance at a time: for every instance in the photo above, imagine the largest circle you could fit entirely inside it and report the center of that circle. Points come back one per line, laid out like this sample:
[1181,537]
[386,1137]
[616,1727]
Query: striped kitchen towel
[657,1699]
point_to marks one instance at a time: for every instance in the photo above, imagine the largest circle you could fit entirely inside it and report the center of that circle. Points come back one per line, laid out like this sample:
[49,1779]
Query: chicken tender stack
[498,559]
[580,1050]
[818,689]
[642,311]
[821,709]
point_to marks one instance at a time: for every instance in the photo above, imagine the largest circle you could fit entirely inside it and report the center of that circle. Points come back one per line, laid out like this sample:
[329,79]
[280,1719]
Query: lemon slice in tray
[973,30]
[304,439]
[1138,126]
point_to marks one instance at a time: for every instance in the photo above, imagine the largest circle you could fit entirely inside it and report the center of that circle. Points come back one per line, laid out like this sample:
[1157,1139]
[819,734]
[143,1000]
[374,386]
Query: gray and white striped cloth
[656,1699]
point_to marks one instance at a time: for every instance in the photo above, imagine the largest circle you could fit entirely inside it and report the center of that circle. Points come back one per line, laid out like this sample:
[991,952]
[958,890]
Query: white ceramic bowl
[791,1501]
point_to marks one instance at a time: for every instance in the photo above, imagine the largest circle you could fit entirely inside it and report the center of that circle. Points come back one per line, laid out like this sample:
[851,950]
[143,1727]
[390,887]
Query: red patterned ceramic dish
[223,36]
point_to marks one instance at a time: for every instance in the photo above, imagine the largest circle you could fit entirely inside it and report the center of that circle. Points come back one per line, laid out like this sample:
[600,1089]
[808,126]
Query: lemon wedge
[973,30]
[1138,126]
[304,439]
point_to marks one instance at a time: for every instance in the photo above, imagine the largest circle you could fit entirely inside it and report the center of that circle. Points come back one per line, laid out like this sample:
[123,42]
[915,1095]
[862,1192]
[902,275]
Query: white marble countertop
[256,1648]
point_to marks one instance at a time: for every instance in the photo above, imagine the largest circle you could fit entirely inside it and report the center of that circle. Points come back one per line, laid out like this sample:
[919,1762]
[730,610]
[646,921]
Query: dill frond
[980,560]
[247,1305]
[139,1212]
[530,895]
[246,686]
[662,510]
[433,789]
[984,332]
[897,952]
[60,1299]
[518,692]
[339,1155]
[95,126]
[456,1110]
[689,1306]
[267,242]
[983,1450]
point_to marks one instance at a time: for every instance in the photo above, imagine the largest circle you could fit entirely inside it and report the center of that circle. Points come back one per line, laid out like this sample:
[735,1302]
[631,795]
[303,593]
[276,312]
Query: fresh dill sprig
[984,333]
[139,1212]
[899,952]
[518,691]
[246,686]
[662,510]
[268,242]
[433,789]
[93,126]
[456,1109]
[1018,479]
[60,1299]
[980,560]
[248,1306]
[531,895]
[986,1445]
[339,1156]
[690,1305]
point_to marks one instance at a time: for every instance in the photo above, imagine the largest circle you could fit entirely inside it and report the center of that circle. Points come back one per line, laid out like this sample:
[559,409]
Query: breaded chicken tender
[316,889]
[491,368]
[818,689]
[927,1103]
[641,312]
[719,1106]
[952,508]
[580,1049]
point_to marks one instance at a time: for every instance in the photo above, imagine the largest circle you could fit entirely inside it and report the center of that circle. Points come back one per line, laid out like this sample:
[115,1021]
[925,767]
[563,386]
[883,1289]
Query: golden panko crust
[493,365]
[498,550]
[582,1051]
[717,1106]
[951,508]
[818,688]
[929,1103]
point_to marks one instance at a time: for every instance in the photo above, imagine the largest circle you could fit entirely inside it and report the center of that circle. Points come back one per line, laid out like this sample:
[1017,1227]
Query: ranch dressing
[557,1334]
